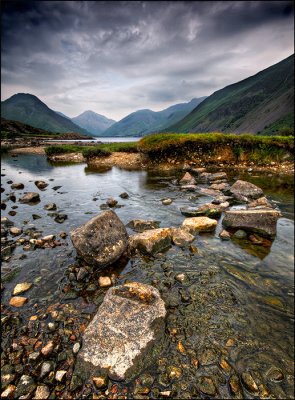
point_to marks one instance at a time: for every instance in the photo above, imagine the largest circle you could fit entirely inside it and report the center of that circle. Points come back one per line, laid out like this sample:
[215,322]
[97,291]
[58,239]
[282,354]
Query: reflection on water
[236,288]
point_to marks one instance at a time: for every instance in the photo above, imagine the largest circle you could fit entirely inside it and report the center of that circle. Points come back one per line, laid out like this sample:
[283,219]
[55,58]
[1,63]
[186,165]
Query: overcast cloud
[118,57]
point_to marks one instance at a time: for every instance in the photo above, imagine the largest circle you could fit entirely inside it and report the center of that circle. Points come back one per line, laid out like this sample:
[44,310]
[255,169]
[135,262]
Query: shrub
[95,152]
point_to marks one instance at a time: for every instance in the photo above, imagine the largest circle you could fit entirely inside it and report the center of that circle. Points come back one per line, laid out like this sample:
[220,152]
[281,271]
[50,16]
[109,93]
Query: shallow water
[234,290]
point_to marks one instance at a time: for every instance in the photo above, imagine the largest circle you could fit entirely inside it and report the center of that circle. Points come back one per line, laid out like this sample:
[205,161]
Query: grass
[263,148]
[100,150]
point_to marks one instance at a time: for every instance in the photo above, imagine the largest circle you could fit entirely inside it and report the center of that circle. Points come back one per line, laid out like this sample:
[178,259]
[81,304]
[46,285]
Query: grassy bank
[213,146]
[100,150]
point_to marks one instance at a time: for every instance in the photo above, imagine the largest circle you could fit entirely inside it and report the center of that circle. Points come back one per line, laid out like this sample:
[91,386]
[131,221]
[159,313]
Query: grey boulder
[245,191]
[263,222]
[101,240]
[125,334]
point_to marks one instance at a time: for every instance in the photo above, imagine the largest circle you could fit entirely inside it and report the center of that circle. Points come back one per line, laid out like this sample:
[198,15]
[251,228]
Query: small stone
[174,372]
[275,374]
[60,218]
[76,348]
[51,326]
[15,231]
[195,363]
[21,288]
[124,195]
[181,238]
[25,386]
[104,281]
[224,235]
[180,347]
[76,382]
[249,382]
[100,381]
[41,184]
[42,392]
[18,301]
[82,273]
[60,375]
[240,234]
[46,367]
[17,186]
[50,206]
[3,206]
[111,202]
[207,386]
[36,216]
[30,197]
[48,238]
[225,365]
[230,342]
[187,179]
[47,350]
[63,235]
[166,202]
[166,393]
[199,224]
[234,384]
[8,393]
[34,356]
[181,277]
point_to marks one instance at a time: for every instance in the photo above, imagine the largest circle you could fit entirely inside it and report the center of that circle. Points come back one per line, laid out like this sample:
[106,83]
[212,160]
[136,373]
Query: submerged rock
[140,225]
[124,335]
[50,206]
[245,191]
[264,222]
[30,197]
[41,184]
[101,240]
[199,224]
[182,238]
[151,241]
[21,288]
[17,186]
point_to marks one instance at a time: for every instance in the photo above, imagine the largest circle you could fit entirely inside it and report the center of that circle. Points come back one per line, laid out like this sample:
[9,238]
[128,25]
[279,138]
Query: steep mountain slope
[93,122]
[28,109]
[143,122]
[251,105]
[16,128]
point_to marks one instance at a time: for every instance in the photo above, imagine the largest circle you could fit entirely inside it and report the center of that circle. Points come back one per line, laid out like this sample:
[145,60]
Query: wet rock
[224,235]
[76,348]
[76,382]
[104,281]
[240,234]
[124,195]
[56,187]
[34,356]
[36,216]
[8,393]
[15,231]
[209,210]
[206,386]
[217,176]
[181,238]
[3,206]
[199,224]
[48,238]
[82,273]
[30,197]
[111,202]
[17,186]
[151,241]
[187,179]
[220,186]
[166,202]
[263,222]
[204,177]
[188,188]
[41,184]
[140,225]
[50,206]
[52,326]
[100,381]
[275,374]
[234,385]
[262,202]
[48,349]
[174,372]
[60,218]
[12,197]
[60,375]
[6,222]
[17,301]
[124,345]
[63,235]
[42,392]
[25,386]
[244,191]
[12,213]
[21,288]
[249,383]
[6,253]
[46,367]
[101,240]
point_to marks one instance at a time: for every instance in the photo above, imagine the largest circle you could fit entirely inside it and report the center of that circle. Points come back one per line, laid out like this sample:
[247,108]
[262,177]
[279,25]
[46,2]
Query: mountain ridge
[93,122]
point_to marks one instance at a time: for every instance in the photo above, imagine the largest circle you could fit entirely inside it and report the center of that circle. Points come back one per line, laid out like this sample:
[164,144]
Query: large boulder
[101,240]
[151,241]
[245,191]
[263,222]
[125,334]
[199,224]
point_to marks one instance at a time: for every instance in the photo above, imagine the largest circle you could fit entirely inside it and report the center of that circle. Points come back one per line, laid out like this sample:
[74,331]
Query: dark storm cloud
[120,56]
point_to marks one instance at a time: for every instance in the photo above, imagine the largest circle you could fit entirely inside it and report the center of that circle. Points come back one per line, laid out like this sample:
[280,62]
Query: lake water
[237,303]
[105,139]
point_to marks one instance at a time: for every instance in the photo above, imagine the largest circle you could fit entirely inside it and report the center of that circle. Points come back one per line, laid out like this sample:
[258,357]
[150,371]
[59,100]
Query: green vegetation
[246,105]
[266,148]
[282,127]
[100,150]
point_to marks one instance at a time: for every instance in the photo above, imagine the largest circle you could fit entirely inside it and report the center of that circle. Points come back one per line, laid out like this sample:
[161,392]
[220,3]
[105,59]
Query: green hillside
[251,105]
[28,109]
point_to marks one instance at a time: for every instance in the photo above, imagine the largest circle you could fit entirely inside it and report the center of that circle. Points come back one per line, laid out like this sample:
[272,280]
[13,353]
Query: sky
[118,57]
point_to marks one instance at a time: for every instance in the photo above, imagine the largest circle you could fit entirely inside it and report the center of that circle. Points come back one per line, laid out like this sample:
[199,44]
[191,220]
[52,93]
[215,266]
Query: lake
[233,315]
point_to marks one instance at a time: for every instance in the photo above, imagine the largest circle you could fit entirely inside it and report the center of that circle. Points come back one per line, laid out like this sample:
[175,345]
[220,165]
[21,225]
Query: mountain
[259,103]
[143,122]
[93,122]
[62,114]
[12,129]
[27,108]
